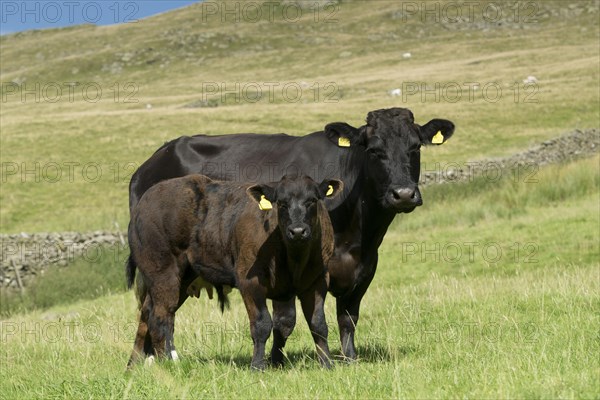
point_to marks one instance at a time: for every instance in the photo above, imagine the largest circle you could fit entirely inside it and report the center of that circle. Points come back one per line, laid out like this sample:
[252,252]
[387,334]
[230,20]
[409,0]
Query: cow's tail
[223,299]
[140,286]
[130,271]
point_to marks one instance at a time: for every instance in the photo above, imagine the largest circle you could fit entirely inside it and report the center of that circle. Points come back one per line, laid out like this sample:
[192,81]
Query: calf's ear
[260,191]
[343,135]
[436,131]
[330,188]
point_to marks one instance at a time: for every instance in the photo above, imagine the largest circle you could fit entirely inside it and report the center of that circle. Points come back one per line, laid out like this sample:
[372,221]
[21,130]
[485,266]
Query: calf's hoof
[149,361]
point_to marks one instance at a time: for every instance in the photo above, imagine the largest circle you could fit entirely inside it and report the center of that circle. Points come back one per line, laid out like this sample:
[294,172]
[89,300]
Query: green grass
[519,327]
[486,337]
[505,226]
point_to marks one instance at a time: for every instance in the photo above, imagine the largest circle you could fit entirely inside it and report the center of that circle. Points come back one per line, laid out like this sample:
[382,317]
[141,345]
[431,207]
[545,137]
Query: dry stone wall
[25,256]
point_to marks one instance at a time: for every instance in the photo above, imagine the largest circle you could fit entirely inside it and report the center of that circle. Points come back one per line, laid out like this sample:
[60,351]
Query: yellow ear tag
[343,141]
[329,191]
[264,204]
[438,138]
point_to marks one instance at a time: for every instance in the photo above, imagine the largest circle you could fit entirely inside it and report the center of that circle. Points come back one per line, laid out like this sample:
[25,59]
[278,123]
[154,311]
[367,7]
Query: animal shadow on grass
[307,359]
[375,352]
[301,359]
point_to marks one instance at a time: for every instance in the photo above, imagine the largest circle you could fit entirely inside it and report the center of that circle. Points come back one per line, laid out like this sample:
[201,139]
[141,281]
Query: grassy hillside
[67,159]
[434,324]
[489,290]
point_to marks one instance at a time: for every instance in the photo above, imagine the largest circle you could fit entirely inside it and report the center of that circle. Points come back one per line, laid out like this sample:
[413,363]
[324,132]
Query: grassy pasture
[491,289]
[436,322]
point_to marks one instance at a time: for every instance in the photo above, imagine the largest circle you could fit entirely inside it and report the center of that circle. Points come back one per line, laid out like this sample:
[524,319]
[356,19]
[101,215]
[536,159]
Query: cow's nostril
[297,232]
[403,194]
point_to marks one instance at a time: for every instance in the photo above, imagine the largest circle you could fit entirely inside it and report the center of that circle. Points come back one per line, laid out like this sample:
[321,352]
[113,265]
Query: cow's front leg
[260,322]
[348,308]
[347,317]
[284,321]
[313,302]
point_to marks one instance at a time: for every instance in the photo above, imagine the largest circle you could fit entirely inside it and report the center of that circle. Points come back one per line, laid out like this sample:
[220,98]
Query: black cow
[224,234]
[379,164]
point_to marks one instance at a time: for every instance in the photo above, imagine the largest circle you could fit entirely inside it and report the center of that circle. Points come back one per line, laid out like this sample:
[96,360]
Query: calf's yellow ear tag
[438,138]
[343,141]
[264,204]
[329,191]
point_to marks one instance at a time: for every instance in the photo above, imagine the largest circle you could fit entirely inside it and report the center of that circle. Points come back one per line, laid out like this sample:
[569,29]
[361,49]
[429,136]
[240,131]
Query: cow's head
[296,200]
[392,143]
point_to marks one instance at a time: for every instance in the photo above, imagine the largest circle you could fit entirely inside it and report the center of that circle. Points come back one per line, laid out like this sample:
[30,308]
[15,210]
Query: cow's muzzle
[403,199]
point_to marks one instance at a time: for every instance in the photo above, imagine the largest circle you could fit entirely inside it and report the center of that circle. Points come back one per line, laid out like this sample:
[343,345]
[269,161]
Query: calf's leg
[284,320]
[182,297]
[260,322]
[142,337]
[165,300]
[313,301]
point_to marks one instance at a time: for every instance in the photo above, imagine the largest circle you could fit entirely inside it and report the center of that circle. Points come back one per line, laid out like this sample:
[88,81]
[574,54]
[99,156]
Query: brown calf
[268,240]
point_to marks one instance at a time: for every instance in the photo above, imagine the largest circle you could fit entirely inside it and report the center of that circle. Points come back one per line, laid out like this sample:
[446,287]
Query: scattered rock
[395,92]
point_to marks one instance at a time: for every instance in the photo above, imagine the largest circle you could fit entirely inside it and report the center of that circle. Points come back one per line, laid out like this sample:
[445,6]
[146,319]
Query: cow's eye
[309,203]
[283,205]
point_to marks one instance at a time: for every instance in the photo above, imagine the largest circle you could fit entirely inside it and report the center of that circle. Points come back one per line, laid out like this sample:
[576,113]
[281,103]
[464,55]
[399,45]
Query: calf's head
[391,141]
[296,200]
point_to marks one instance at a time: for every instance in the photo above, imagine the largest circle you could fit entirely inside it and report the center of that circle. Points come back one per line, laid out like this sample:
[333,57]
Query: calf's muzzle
[298,232]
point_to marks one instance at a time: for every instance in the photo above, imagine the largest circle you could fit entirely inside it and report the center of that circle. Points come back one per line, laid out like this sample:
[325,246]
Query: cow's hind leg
[284,321]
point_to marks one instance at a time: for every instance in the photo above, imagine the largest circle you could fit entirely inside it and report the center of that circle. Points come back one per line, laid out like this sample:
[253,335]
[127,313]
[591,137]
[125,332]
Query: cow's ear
[261,192]
[330,188]
[436,131]
[343,135]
